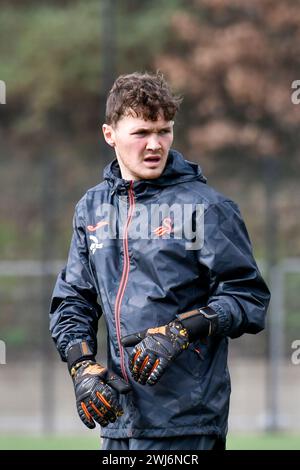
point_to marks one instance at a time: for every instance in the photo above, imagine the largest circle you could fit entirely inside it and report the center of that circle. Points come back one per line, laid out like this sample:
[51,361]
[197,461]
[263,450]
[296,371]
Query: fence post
[276,347]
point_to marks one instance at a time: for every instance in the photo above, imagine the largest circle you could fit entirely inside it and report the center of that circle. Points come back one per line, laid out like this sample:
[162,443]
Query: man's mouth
[152,160]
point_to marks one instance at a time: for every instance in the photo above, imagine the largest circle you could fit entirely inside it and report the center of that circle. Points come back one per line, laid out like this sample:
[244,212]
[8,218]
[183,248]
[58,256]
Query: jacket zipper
[124,278]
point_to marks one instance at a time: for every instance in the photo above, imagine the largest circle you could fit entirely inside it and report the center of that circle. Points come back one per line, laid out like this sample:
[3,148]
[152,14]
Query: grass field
[234,442]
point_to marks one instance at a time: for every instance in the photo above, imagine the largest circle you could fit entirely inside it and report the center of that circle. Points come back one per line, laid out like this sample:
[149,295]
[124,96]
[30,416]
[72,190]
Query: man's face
[141,146]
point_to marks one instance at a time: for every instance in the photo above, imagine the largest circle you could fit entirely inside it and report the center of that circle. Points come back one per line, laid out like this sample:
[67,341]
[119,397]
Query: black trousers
[165,443]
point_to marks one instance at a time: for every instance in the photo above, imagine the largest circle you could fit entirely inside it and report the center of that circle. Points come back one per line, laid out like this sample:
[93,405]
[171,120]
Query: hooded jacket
[141,253]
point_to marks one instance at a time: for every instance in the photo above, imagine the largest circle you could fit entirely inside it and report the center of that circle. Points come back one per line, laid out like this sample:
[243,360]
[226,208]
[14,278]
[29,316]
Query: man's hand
[96,399]
[155,349]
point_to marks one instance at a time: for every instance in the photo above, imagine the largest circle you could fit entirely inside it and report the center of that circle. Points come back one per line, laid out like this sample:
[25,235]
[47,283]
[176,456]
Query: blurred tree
[235,61]
[52,60]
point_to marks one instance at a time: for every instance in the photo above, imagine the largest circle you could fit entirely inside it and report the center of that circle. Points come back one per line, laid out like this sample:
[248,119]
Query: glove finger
[116,407]
[157,371]
[133,359]
[97,414]
[85,415]
[139,364]
[107,404]
[137,358]
[146,368]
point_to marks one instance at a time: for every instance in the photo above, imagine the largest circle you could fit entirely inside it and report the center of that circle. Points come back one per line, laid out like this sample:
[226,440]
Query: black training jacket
[132,260]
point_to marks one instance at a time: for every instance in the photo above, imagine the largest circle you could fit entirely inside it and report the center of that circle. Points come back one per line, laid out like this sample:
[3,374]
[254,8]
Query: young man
[168,262]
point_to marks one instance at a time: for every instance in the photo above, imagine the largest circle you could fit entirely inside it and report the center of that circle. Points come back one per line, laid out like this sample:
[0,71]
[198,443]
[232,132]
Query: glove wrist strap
[79,352]
[199,323]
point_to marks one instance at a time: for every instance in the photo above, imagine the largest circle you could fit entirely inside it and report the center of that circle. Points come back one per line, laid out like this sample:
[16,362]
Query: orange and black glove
[156,348]
[96,389]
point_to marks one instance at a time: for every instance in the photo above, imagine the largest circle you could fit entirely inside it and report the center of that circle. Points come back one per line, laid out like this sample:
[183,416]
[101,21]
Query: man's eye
[164,131]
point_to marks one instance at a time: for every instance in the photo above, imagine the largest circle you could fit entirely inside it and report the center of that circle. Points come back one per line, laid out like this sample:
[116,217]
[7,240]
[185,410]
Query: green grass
[234,442]
[49,443]
[276,441]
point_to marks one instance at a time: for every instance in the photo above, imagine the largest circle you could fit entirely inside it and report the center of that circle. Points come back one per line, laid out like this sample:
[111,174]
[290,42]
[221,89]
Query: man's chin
[151,174]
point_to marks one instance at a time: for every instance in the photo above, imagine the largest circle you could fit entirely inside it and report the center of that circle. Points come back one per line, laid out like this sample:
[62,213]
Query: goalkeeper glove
[95,390]
[156,348]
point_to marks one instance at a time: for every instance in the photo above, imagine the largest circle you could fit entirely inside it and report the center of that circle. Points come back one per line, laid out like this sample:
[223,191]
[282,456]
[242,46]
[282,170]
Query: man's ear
[109,134]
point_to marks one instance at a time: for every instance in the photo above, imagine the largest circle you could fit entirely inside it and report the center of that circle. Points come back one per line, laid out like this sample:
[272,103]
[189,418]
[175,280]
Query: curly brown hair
[142,95]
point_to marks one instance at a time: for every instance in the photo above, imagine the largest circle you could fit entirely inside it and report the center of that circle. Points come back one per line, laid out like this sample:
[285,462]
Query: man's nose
[153,142]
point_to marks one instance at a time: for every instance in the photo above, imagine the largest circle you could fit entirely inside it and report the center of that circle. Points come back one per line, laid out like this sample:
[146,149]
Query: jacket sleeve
[237,291]
[74,311]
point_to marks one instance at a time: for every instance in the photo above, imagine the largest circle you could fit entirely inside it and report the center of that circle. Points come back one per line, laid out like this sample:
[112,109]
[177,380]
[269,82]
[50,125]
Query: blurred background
[235,63]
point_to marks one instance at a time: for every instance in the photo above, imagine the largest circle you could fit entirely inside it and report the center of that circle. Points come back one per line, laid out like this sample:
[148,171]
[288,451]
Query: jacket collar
[177,170]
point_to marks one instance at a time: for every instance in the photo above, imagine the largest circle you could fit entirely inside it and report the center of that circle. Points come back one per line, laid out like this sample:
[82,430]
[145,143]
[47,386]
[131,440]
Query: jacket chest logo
[95,245]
